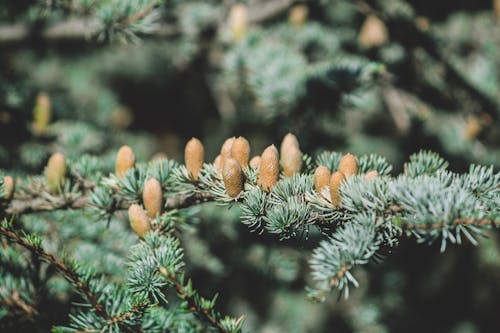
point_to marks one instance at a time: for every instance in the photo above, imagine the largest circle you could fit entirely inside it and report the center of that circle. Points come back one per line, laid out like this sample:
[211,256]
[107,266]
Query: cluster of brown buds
[234,160]
[327,184]
[152,197]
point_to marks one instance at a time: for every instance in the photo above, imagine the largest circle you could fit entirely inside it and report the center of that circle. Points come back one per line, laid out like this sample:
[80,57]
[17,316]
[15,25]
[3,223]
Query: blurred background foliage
[390,77]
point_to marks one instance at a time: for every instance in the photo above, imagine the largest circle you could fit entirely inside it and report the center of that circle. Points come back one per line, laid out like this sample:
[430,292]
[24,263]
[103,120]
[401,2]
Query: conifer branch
[195,301]
[69,272]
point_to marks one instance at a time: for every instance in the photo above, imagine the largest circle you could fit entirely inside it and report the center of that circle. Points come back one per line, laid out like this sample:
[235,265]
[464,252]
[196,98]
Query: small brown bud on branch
[371,174]
[217,164]
[232,176]
[225,151]
[269,168]
[240,151]
[194,156]
[9,187]
[336,180]
[41,113]
[291,156]
[321,178]
[55,172]
[139,221]
[152,197]
[125,160]
[348,165]
[255,162]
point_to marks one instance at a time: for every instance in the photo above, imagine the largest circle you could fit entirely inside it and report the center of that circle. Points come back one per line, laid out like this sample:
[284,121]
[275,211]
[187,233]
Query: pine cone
[125,160]
[194,155]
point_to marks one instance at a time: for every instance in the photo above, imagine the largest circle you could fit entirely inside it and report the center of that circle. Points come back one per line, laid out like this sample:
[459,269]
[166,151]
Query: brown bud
[348,165]
[41,113]
[291,160]
[373,32]
[139,221]
[335,180]
[238,21]
[55,172]
[152,197]
[321,178]
[217,164]
[9,187]
[159,156]
[233,177]
[298,15]
[240,151]
[255,162]
[225,151]
[289,141]
[472,127]
[194,155]
[269,168]
[125,160]
[371,174]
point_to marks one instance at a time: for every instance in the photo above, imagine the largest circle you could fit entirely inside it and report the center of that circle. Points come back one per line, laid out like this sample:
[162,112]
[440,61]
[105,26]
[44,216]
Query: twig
[192,304]
[23,205]
[68,272]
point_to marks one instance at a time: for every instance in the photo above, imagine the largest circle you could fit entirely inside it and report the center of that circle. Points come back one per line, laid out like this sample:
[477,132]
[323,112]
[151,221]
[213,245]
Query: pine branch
[194,303]
[14,301]
[20,206]
[69,272]
[402,26]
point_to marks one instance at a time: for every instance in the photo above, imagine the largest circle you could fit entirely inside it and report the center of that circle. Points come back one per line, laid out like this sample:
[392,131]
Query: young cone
[348,165]
[238,21]
[125,160]
[138,220]
[194,155]
[255,162]
[291,156]
[225,152]
[371,174]
[269,168]
[335,180]
[217,164]
[152,197]
[232,175]
[291,160]
[298,15]
[289,141]
[321,178]
[55,172]
[9,187]
[240,151]
[41,113]
[373,32]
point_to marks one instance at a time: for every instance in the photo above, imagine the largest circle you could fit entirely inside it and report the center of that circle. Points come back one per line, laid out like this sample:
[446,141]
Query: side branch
[19,206]
[457,222]
[193,302]
[68,272]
